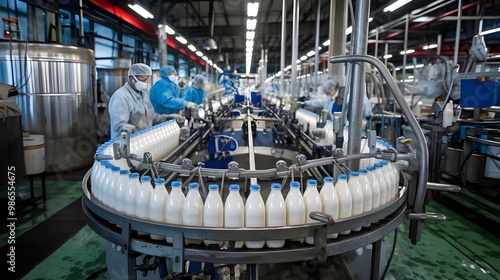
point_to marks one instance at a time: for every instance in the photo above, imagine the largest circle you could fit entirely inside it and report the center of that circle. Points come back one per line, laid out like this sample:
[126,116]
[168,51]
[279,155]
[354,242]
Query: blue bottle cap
[275,186]
[342,177]
[213,187]
[377,165]
[115,168]
[133,175]
[123,172]
[175,184]
[384,162]
[109,165]
[193,185]
[371,168]
[312,182]
[255,187]
[354,174]
[294,184]
[145,178]
[159,181]
[363,170]
[234,187]
[328,179]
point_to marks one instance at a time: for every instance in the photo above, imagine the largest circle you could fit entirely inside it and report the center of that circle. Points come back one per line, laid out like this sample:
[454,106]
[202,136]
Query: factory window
[8,10]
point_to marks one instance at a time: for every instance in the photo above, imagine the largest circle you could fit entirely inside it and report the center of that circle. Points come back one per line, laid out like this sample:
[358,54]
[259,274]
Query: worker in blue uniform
[166,95]
[196,92]
[130,108]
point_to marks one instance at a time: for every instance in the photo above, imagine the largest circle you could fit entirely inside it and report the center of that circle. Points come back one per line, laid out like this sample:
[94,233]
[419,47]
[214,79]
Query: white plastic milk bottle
[255,214]
[357,195]
[157,205]
[192,213]
[375,187]
[121,191]
[133,187]
[330,201]
[175,204]
[142,200]
[381,182]
[312,202]
[234,211]
[295,207]
[213,212]
[275,213]
[345,199]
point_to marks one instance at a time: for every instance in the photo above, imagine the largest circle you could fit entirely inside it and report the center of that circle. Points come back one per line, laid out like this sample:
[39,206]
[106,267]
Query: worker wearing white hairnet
[130,108]
[196,92]
[166,95]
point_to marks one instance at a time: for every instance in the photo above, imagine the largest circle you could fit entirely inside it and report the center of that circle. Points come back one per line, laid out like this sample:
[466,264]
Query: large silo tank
[57,87]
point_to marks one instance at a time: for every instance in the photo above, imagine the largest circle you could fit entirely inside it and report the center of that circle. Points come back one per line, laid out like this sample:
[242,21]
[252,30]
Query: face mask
[139,85]
[173,78]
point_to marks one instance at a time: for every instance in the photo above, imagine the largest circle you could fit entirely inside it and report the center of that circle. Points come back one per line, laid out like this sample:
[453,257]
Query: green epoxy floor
[455,249]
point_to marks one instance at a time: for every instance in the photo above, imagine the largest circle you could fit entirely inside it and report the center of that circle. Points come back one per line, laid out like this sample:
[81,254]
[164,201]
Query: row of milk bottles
[160,140]
[127,194]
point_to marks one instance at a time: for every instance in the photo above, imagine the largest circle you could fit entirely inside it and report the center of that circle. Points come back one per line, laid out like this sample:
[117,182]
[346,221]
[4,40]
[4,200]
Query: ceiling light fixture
[407,51]
[431,46]
[326,43]
[141,11]
[181,40]
[250,35]
[252,9]
[311,53]
[249,44]
[396,5]
[205,58]
[251,24]
[304,57]
[192,48]
[198,53]
[387,56]
[169,30]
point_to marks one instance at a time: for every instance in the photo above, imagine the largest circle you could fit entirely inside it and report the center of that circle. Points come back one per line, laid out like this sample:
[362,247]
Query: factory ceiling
[225,22]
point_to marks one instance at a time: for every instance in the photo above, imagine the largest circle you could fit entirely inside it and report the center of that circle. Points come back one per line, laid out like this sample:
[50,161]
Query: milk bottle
[121,191]
[142,200]
[381,182]
[157,205]
[367,190]
[213,212]
[312,202]
[345,199]
[192,212]
[175,204]
[105,182]
[390,179]
[357,195]
[133,188]
[374,186]
[234,211]
[330,201]
[255,214]
[295,208]
[275,213]
[109,194]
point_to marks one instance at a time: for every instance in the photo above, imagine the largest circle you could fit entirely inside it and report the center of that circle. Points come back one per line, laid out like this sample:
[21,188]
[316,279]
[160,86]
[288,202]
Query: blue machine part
[221,143]
[479,94]
[239,98]
[256,98]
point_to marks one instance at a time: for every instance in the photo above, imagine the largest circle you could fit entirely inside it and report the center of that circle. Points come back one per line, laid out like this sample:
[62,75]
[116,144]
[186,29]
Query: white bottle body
[121,191]
[234,213]
[382,184]
[255,215]
[133,188]
[174,207]
[330,202]
[312,201]
[448,114]
[295,208]
[275,214]
[157,205]
[345,199]
[213,213]
[357,195]
[142,200]
[192,212]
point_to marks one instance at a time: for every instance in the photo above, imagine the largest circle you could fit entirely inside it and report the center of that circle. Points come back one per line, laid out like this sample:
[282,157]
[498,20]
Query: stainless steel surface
[295,48]
[112,79]
[162,44]
[338,38]
[316,45]
[442,187]
[57,87]
[483,141]
[422,152]
[358,92]
[251,155]
[283,49]
[457,33]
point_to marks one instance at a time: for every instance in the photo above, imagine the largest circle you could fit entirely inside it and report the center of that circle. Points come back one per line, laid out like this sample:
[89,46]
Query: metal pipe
[316,46]
[283,47]
[386,52]
[358,47]
[251,154]
[439,42]
[295,46]
[457,33]
[423,153]
[405,47]
[376,44]
[82,34]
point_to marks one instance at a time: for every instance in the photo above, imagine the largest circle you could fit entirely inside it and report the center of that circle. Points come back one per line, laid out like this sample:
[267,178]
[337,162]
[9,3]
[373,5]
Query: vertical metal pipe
[405,46]
[457,35]
[338,25]
[295,46]
[376,43]
[386,52]
[251,154]
[316,45]
[162,45]
[81,40]
[283,49]
[439,42]
[359,47]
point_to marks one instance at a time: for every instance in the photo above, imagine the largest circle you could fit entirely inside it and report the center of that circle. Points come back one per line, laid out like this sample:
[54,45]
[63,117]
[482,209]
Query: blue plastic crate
[478,94]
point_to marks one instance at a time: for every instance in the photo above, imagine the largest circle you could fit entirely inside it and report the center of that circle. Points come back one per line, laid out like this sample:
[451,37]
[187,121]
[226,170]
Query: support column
[316,45]
[162,45]
[338,25]
[295,47]
[283,48]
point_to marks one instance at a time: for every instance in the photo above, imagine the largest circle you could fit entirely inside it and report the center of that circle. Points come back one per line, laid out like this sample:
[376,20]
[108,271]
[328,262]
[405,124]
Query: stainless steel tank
[57,88]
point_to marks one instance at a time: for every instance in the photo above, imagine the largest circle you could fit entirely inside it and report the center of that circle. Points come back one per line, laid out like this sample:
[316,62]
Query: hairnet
[165,70]
[328,85]
[139,69]
[199,79]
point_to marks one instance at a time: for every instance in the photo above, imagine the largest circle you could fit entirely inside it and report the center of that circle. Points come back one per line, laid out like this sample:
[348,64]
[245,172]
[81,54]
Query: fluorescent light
[252,9]
[396,5]
[431,46]
[141,11]
[210,62]
[348,30]
[407,51]
[169,30]
[387,56]
[192,48]
[250,35]
[370,19]
[248,55]
[298,61]
[311,53]
[326,43]
[249,49]
[181,40]
[198,53]
[249,44]
[319,48]
[205,58]
[494,30]
[251,24]
[410,67]
[304,57]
